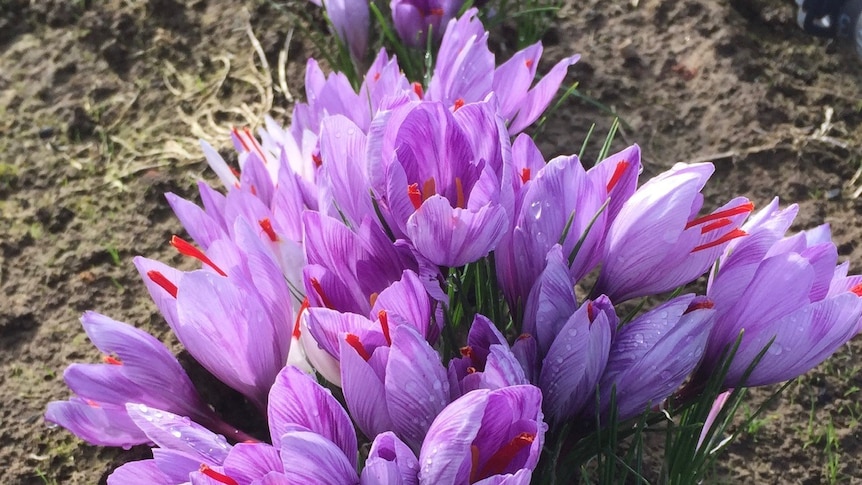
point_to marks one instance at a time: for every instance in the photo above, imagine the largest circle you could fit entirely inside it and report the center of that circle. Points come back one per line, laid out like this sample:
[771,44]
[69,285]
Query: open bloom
[783,290]
[657,242]
[137,368]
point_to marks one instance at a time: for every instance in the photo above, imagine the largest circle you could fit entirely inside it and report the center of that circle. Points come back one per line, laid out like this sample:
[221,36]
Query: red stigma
[305,305]
[590,312]
[618,174]
[471,370]
[723,239]
[187,249]
[524,336]
[266,225]
[857,289]
[459,103]
[235,173]
[384,324]
[436,11]
[353,341]
[417,88]
[376,76]
[219,477]
[467,351]
[110,359]
[238,136]
[525,175]
[255,144]
[315,157]
[315,284]
[715,225]
[733,211]
[415,195]
[700,305]
[92,404]
[528,63]
[501,460]
[160,279]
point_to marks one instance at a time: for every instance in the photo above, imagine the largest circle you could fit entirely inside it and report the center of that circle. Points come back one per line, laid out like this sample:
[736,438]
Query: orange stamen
[467,351]
[384,324]
[187,249]
[373,298]
[429,188]
[459,193]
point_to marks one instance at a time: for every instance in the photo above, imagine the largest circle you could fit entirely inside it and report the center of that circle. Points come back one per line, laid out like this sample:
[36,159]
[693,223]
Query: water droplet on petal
[639,338]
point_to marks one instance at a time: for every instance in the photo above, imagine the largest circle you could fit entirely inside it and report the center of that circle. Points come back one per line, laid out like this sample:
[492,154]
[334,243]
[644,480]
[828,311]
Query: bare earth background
[101,104]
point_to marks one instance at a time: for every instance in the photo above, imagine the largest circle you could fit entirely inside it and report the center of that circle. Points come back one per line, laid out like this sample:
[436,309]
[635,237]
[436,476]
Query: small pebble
[833,194]
[46,132]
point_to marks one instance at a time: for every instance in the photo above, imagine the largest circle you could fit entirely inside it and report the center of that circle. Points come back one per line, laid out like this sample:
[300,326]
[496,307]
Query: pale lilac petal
[311,458]
[296,399]
[248,462]
[179,433]
[390,462]
[417,388]
[144,471]
[364,391]
[98,425]
[538,98]
[454,237]
[201,226]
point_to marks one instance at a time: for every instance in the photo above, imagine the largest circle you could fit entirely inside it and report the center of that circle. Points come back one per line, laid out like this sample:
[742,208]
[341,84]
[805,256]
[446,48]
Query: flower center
[219,477]
[499,462]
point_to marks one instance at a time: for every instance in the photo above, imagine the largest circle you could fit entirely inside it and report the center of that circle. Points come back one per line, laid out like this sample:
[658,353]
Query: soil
[101,104]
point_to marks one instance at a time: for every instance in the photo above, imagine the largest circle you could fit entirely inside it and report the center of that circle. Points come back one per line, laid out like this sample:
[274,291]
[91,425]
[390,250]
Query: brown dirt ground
[101,104]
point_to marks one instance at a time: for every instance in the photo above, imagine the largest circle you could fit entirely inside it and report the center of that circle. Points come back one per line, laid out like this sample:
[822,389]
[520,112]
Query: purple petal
[98,425]
[311,458]
[390,461]
[454,237]
[248,462]
[200,225]
[179,433]
[417,388]
[296,399]
[144,471]
[540,96]
[364,390]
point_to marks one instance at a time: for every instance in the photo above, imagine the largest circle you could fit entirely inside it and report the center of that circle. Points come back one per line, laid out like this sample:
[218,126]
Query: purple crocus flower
[564,204]
[652,355]
[789,289]
[465,72]
[351,21]
[442,178]
[234,316]
[486,362]
[137,368]
[576,359]
[414,19]
[657,243]
[399,387]
[390,462]
[487,436]
[186,451]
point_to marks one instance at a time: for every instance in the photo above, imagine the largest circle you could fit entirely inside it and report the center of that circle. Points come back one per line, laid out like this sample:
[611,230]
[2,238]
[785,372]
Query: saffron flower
[657,243]
[783,290]
[493,435]
[137,368]
[415,19]
[351,21]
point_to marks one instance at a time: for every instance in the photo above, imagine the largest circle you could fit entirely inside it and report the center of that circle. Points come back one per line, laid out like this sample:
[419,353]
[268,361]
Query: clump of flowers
[410,246]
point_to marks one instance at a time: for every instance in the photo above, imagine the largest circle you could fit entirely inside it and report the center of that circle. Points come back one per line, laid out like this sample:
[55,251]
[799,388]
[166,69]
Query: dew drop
[176,433]
[573,332]
[639,338]
[143,408]
[536,209]
[351,131]
[775,349]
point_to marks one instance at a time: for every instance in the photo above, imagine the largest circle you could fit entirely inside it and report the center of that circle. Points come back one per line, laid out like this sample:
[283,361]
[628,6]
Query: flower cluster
[410,246]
